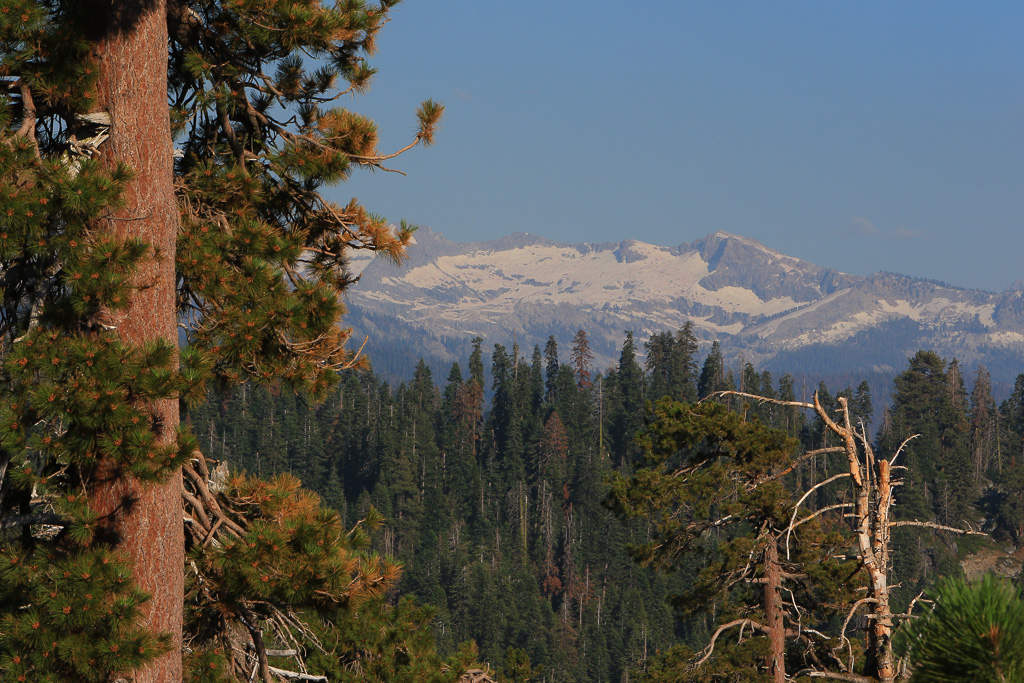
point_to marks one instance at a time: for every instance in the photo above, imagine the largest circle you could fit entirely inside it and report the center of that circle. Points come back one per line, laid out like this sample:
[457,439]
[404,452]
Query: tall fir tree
[550,366]
[581,358]
[861,407]
[929,403]
[984,437]
[683,365]
[627,403]
[658,351]
[712,372]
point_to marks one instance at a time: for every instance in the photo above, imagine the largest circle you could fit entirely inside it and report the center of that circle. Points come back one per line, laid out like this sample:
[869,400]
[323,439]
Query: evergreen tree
[709,474]
[627,406]
[683,365]
[476,363]
[789,419]
[974,633]
[670,364]
[712,373]
[550,366]
[930,400]
[460,412]
[984,426]
[862,409]
[658,351]
[581,357]
[111,243]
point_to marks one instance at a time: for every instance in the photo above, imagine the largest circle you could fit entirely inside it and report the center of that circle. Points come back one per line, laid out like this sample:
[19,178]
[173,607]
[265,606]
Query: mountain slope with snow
[756,301]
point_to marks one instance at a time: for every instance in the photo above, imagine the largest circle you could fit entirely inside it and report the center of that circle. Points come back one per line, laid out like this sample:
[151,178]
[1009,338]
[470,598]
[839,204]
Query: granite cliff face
[759,303]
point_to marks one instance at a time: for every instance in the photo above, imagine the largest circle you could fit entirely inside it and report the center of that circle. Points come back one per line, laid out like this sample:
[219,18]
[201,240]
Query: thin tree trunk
[144,520]
[776,659]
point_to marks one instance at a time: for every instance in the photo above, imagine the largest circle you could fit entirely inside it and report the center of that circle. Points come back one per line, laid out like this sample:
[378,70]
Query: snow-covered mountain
[760,303]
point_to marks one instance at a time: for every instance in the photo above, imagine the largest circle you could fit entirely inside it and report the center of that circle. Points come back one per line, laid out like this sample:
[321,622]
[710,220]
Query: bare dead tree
[873,482]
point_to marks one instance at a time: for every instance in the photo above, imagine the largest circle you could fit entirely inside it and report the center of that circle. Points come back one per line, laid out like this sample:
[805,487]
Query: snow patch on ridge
[554,274]
[766,300]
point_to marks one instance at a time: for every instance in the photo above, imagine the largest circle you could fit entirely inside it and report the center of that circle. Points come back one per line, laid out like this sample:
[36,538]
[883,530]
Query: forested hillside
[499,510]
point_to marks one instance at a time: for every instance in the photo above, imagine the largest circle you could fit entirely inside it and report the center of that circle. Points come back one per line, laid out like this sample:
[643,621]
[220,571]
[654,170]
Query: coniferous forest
[506,491]
[200,480]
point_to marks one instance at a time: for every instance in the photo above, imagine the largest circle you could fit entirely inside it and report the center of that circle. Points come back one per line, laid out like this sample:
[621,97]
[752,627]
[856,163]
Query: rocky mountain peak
[756,301]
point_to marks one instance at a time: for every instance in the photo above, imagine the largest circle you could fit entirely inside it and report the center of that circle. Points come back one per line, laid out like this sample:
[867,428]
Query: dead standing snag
[873,484]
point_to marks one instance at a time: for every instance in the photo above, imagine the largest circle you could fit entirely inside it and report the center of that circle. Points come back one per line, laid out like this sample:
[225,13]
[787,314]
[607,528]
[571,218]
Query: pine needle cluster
[974,633]
[70,615]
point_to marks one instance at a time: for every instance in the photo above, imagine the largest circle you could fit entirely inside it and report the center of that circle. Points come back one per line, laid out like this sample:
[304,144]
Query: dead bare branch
[295,675]
[899,450]
[759,399]
[796,463]
[939,527]
[742,623]
[796,508]
[835,676]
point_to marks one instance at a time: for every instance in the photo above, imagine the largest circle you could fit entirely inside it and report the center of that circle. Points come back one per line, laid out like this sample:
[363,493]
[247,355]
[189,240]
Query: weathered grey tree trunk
[874,499]
[144,520]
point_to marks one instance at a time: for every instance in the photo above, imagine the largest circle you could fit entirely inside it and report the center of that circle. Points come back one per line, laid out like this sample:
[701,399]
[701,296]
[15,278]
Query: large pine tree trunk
[131,40]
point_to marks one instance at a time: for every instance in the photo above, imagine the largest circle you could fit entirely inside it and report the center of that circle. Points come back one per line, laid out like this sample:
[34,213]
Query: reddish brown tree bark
[776,658]
[144,520]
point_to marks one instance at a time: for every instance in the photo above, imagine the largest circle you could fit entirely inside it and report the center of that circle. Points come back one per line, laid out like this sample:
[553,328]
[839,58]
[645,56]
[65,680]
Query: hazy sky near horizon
[861,136]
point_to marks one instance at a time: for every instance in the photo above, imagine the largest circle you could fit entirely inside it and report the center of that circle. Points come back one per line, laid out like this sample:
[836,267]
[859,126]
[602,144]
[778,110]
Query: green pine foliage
[298,577]
[261,264]
[711,487]
[496,510]
[974,633]
[70,615]
[930,404]
[262,253]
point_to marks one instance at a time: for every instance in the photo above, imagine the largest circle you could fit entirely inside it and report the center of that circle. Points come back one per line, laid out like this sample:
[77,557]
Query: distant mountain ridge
[759,303]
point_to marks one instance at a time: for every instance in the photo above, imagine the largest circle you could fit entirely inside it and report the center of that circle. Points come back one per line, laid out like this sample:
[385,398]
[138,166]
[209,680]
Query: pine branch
[792,466]
[295,675]
[28,116]
[742,623]
[759,399]
[835,676]
[796,508]
[248,620]
[940,527]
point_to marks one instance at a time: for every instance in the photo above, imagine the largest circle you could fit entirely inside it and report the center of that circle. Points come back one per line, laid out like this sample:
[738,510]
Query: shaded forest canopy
[498,509]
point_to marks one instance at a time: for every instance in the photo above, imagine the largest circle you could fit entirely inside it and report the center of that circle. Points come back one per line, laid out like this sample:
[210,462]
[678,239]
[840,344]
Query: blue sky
[861,136]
